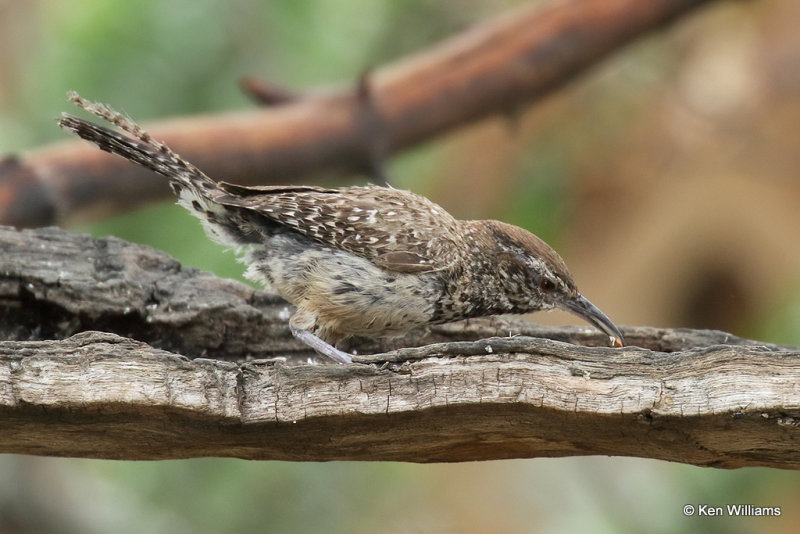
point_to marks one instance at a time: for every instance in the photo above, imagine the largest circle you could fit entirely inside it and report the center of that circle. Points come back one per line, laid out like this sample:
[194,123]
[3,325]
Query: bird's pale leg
[320,346]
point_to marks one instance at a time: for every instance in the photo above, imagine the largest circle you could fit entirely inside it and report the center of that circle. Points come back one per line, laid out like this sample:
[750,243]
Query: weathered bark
[700,397]
[492,68]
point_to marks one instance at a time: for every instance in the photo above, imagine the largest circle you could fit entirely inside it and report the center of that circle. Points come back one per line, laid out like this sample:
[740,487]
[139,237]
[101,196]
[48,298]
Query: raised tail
[141,148]
[195,191]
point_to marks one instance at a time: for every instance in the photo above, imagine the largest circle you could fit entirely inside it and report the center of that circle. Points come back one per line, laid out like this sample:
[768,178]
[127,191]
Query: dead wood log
[66,389]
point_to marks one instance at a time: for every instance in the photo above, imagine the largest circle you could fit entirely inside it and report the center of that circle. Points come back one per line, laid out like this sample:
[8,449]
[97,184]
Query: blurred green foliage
[781,323]
[151,59]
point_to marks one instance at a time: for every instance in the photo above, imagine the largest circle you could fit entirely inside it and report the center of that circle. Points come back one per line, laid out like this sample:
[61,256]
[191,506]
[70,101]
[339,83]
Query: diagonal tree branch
[493,68]
[700,397]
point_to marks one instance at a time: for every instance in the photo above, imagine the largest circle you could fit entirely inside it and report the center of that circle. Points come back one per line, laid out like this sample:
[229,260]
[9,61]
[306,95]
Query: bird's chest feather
[348,295]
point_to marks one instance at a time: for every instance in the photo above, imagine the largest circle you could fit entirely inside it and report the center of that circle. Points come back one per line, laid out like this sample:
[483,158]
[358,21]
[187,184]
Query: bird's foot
[320,346]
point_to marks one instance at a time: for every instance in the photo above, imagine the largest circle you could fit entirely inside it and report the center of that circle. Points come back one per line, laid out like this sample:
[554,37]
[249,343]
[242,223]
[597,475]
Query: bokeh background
[667,177]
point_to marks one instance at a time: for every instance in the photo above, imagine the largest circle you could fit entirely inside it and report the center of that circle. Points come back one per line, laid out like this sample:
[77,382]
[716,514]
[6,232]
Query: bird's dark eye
[547,285]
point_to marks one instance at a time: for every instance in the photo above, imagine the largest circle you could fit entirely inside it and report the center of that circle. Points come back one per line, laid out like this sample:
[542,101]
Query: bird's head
[539,278]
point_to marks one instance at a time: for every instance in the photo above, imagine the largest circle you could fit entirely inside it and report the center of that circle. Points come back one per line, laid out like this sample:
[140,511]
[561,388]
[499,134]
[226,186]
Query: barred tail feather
[195,190]
[124,146]
[143,149]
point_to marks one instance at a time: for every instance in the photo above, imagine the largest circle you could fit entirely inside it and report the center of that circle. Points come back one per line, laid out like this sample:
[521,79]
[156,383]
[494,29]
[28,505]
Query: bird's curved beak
[582,307]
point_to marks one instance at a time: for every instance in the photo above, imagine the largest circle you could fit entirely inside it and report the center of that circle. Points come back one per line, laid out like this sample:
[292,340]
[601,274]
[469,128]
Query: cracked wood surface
[68,389]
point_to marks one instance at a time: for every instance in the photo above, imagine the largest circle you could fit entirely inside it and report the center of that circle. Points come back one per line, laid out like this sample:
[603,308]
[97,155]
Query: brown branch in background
[267,93]
[489,69]
[692,396]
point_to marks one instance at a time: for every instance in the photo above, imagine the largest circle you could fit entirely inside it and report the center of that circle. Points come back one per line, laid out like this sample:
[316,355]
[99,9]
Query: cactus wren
[368,261]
